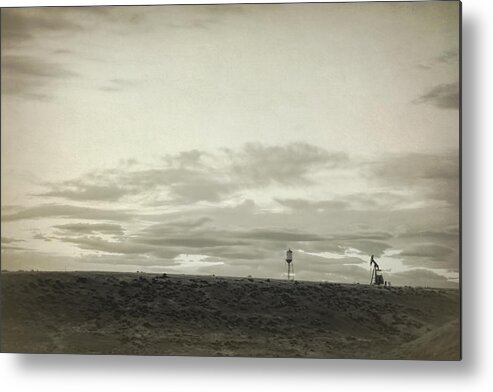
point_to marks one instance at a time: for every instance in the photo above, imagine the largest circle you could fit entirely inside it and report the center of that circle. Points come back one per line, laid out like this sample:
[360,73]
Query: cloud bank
[228,207]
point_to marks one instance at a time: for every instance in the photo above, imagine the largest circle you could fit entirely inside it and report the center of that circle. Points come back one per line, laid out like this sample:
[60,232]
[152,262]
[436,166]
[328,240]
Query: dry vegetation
[129,313]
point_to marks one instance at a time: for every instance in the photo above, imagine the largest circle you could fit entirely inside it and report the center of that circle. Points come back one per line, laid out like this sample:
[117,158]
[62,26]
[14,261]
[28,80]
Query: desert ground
[159,314]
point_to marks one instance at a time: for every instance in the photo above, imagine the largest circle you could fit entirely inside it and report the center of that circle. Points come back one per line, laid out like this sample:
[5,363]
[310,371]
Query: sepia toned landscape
[266,180]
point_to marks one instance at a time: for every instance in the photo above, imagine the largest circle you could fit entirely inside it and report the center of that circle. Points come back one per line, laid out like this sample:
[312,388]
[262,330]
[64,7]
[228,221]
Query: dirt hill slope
[128,313]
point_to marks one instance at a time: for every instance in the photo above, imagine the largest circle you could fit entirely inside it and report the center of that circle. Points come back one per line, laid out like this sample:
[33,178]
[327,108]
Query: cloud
[8,240]
[205,203]
[323,259]
[80,191]
[254,166]
[187,242]
[99,244]
[447,234]
[190,190]
[91,228]
[364,247]
[377,200]
[206,227]
[371,200]
[447,58]
[363,236]
[30,259]
[432,176]
[117,84]
[450,56]
[420,277]
[427,250]
[258,250]
[29,66]
[432,255]
[278,235]
[414,167]
[68,211]
[194,176]
[234,255]
[182,184]
[124,261]
[161,248]
[173,227]
[26,72]
[443,96]
[288,165]
[6,244]
[319,205]
[39,236]
[128,16]
[169,239]
[13,248]
[30,70]
[27,76]
[21,24]
[226,243]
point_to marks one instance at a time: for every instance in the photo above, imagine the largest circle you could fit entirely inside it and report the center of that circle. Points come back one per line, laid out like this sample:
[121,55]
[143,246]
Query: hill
[147,314]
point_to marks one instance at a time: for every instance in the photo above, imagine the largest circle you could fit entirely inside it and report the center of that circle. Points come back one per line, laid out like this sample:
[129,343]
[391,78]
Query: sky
[210,139]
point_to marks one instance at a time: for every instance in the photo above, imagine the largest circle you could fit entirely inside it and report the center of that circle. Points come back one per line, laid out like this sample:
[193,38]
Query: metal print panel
[267,180]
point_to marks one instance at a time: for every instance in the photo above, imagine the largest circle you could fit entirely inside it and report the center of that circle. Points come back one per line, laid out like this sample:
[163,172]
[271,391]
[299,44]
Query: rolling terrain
[151,314]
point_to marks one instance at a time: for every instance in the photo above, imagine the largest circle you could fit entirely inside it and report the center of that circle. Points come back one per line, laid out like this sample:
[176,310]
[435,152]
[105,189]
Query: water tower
[289,260]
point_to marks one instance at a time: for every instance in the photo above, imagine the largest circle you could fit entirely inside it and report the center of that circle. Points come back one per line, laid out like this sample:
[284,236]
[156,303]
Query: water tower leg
[290,271]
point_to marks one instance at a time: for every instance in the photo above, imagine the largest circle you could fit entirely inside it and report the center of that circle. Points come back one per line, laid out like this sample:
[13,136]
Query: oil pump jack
[376,273]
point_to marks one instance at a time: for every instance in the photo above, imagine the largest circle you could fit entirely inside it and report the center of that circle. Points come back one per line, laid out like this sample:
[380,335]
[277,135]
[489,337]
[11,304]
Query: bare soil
[148,314]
